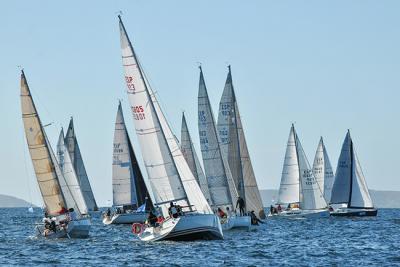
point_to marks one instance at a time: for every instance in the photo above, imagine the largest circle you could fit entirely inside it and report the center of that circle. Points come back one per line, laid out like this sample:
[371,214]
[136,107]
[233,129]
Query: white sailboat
[168,174]
[322,170]
[129,189]
[234,148]
[350,194]
[57,196]
[220,182]
[76,157]
[189,153]
[299,193]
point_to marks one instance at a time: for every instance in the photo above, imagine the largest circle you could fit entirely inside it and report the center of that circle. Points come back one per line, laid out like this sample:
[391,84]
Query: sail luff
[39,150]
[79,166]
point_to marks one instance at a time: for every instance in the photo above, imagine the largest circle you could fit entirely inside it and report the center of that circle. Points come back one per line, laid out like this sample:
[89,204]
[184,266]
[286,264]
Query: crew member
[240,203]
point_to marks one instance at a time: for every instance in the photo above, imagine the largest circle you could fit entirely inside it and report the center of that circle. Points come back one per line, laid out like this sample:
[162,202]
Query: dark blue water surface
[317,242]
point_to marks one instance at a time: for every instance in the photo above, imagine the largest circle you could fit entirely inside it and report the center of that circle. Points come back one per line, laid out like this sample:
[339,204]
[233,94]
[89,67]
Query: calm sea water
[329,241]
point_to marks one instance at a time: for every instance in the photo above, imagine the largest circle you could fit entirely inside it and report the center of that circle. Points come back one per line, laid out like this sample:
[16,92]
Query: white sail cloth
[189,153]
[168,173]
[76,157]
[124,189]
[39,150]
[322,170]
[350,186]
[234,148]
[298,184]
[220,182]
[76,199]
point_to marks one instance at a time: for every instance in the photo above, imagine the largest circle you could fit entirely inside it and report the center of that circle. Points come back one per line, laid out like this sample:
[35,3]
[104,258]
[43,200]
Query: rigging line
[26,171]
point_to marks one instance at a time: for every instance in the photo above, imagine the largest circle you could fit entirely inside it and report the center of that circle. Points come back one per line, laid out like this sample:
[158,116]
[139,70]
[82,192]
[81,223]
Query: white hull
[298,213]
[75,229]
[126,218]
[236,222]
[185,228]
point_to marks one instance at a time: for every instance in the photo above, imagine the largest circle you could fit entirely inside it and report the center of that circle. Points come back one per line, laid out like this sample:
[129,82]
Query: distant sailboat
[350,189]
[322,170]
[171,180]
[129,189]
[190,155]
[234,147]
[57,195]
[220,182]
[75,154]
[299,193]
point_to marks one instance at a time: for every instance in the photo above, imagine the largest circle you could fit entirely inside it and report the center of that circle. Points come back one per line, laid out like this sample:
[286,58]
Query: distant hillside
[12,202]
[381,199]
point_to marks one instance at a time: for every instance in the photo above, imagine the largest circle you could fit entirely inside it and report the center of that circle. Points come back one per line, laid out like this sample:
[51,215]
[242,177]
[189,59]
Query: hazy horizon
[325,66]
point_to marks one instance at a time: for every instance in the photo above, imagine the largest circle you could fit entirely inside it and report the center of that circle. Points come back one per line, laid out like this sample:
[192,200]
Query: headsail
[220,182]
[128,184]
[39,150]
[71,186]
[234,147]
[189,153]
[350,186]
[75,154]
[169,175]
[322,170]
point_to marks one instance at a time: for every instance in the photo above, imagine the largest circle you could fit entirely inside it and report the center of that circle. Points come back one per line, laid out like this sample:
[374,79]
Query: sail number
[129,83]
[138,112]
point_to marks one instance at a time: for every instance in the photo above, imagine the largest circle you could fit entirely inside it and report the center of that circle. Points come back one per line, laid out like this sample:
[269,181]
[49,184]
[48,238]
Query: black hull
[195,234]
[361,213]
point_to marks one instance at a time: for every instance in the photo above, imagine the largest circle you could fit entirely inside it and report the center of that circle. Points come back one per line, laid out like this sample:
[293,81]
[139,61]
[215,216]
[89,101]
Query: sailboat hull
[237,222]
[126,218]
[298,213]
[186,228]
[75,229]
[348,212]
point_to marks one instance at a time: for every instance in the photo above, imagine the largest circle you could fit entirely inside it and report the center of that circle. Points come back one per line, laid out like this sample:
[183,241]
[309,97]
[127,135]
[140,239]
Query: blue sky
[325,65]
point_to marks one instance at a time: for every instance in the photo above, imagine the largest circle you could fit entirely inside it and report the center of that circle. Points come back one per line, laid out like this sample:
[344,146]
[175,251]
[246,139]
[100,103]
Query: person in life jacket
[240,203]
[172,210]
[221,213]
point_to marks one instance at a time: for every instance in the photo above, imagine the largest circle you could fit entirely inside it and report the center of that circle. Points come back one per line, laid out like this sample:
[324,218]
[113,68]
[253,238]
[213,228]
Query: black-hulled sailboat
[350,195]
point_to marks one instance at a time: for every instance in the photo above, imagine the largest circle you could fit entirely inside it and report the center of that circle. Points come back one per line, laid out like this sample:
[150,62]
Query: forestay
[77,161]
[220,182]
[189,153]
[322,170]
[168,173]
[124,190]
[71,186]
[39,150]
[234,147]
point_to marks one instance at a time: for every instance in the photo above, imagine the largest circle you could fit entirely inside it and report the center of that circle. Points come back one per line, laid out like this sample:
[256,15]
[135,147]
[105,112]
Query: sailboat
[129,189]
[350,194]
[75,154]
[300,195]
[234,148]
[61,205]
[220,182]
[172,184]
[322,170]
[189,153]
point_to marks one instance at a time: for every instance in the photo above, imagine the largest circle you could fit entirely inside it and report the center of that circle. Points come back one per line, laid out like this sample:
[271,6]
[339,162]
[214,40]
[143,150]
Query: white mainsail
[168,173]
[189,153]
[75,154]
[350,186]
[298,184]
[71,179]
[220,182]
[41,155]
[322,170]
[124,190]
[234,147]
